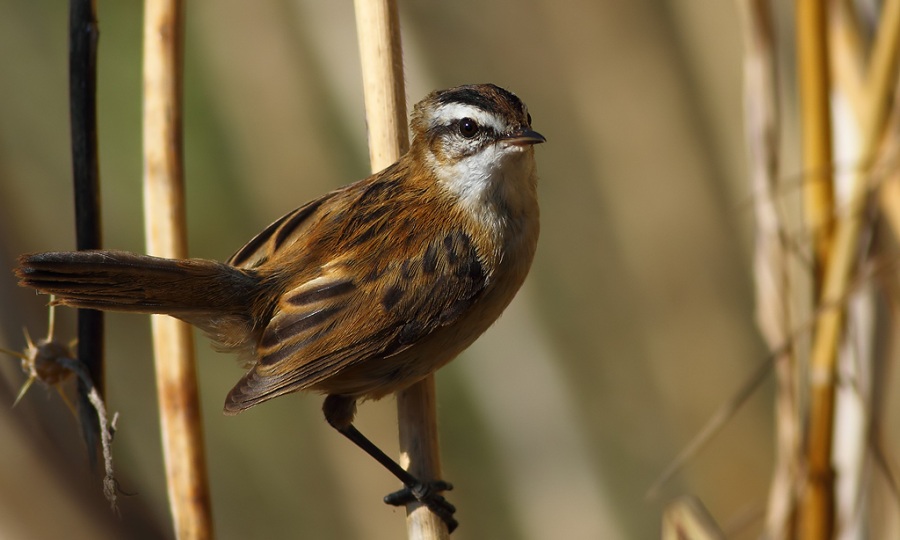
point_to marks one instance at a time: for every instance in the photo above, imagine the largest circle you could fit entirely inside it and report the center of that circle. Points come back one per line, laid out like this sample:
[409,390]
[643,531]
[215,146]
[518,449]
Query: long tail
[120,281]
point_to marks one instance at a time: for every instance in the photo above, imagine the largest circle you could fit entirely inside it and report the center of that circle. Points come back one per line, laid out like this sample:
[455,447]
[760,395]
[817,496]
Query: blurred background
[636,322]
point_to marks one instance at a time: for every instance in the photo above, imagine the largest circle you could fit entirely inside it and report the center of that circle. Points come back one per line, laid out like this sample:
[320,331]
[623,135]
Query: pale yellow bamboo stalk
[817,506]
[881,77]
[166,236]
[848,58]
[839,270]
[853,80]
[882,71]
[381,55]
[889,193]
[815,116]
[378,29]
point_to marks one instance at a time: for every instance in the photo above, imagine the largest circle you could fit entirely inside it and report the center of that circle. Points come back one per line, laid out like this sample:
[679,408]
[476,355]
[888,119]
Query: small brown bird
[363,291]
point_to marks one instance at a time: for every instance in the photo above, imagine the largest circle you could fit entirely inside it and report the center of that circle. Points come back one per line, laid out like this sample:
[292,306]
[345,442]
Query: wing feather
[284,231]
[349,314]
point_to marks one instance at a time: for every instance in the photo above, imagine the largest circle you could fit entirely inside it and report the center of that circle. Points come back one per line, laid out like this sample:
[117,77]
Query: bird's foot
[429,494]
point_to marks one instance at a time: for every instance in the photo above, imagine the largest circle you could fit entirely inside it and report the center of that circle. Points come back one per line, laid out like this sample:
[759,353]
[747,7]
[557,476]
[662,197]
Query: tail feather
[120,281]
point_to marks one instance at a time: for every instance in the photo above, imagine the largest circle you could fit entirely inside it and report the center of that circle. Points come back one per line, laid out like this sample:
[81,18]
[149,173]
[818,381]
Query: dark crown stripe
[478,98]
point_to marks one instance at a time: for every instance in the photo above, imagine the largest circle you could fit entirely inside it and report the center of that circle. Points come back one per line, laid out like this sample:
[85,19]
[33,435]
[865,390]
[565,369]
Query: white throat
[497,184]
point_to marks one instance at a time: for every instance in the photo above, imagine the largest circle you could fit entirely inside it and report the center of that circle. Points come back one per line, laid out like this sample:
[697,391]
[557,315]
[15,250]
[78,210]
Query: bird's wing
[280,234]
[355,310]
[362,273]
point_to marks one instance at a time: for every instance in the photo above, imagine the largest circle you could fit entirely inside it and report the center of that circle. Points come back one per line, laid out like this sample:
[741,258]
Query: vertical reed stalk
[813,60]
[83,37]
[839,273]
[771,256]
[381,55]
[817,508]
[378,29]
[880,77]
[166,237]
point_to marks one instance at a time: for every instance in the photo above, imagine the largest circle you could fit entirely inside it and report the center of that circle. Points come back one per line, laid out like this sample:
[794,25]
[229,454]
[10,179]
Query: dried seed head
[42,361]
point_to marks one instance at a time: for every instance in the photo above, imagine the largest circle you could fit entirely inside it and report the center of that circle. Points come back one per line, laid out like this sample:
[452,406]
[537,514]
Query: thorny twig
[51,362]
[107,427]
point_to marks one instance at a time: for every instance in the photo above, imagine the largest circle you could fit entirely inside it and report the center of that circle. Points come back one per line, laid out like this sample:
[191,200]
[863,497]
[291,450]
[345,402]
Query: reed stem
[381,53]
[166,236]
[817,508]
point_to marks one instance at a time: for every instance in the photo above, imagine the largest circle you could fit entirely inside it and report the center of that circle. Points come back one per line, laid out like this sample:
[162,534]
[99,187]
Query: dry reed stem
[882,71]
[176,379]
[687,519]
[848,55]
[817,504]
[815,115]
[818,515]
[889,186]
[850,76]
[378,29]
[773,281]
[381,55]
[420,453]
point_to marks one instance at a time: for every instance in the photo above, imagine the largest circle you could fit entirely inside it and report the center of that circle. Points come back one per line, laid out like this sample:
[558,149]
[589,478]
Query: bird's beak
[524,137]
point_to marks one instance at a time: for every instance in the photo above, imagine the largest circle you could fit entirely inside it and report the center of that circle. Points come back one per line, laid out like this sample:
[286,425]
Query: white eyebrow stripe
[445,114]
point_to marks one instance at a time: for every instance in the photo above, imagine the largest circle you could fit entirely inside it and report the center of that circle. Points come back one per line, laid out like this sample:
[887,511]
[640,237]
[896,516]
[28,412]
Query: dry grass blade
[687,519]
[713,426]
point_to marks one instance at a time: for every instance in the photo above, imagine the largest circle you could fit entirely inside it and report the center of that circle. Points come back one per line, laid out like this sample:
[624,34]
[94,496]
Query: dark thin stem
[83,35]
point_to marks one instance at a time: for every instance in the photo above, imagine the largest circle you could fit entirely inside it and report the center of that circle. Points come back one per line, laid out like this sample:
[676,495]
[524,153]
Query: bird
[361,292]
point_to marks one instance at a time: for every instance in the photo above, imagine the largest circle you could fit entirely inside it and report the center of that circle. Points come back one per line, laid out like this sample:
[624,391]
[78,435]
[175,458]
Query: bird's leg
[339,411]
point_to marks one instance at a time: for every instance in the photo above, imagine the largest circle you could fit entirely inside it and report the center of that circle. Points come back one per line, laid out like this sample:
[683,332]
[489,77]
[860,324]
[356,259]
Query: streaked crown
[459,122]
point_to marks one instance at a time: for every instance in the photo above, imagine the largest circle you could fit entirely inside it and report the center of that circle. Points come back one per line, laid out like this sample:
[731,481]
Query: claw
[429,494]
[418,492]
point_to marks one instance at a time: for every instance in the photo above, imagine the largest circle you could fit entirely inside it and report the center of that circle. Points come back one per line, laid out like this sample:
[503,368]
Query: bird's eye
[468,128]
